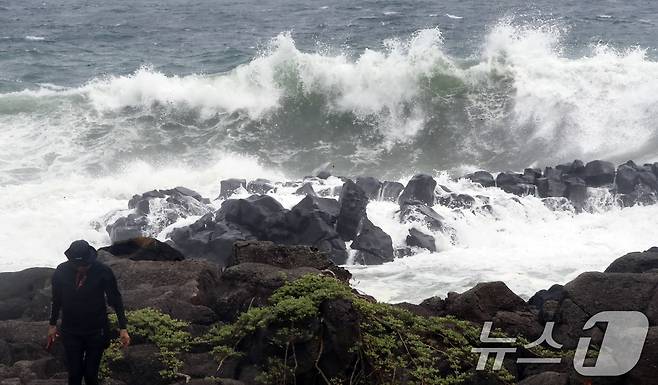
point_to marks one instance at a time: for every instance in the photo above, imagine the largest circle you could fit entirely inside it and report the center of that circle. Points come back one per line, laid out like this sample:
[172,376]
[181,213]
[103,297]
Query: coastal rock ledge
[285,314]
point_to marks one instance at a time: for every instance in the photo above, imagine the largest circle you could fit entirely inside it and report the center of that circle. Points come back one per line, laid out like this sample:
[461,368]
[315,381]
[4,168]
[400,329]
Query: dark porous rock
[306,189]
[209,238]
[591,293]
[371,186]
[456,201]
[648,179]
[128,227]
[374,245]
[328,208]
[627,178]
[422,213]
[287,257]
[256,212]
[168,206]
[419,239]
[508,179]
[577,168]
[420,189]
[644,373]
[599,173]
[25,340]
[484,178]
[576,192]
[25,294]
[353,202]
[494,301]
[482,302]
[530,174]
[548,302]
[546,378]
[638,262]
[260,186]
[309,223]
[139,365]
[247,285]
[229,186]
[547,187]
[391,191]
[178,288]
[144,249]
[552,173]
[521,189]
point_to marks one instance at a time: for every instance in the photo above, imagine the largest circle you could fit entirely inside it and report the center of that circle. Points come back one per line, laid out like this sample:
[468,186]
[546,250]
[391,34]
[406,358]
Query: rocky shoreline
[250,292]
[333,214]
[278,299]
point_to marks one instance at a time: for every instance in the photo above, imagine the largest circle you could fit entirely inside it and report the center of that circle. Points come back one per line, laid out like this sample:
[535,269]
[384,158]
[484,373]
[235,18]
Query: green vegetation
[391,344]
[168,334]
[317,329]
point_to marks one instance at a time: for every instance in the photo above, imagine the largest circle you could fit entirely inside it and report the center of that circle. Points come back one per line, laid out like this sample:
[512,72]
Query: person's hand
[124,337]
[52,335]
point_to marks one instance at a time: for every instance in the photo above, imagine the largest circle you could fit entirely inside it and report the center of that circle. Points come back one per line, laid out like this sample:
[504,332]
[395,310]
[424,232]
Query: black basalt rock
[419,189]
[371,186]
[353,202]
[230,186]
[484,178]
[374,245]
[419,239]
[599,173]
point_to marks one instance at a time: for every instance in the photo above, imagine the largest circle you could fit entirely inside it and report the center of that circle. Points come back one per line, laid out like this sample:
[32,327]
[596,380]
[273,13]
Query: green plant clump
[393,346]
[168,334]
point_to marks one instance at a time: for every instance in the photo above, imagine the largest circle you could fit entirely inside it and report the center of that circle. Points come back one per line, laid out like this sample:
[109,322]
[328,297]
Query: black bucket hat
[80,252]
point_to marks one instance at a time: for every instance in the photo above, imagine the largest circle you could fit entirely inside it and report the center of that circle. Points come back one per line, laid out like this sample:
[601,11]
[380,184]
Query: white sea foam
[601,105]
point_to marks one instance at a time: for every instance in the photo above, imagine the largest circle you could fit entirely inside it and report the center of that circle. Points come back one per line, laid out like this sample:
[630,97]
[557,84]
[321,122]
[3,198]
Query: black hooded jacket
[84,309]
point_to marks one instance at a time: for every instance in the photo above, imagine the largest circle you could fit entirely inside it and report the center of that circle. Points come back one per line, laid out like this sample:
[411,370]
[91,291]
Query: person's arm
[114,298]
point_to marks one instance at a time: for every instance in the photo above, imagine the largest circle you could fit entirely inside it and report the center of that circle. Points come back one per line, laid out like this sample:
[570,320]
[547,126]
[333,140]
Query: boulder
[144,249]
[591,293]
[371,186]
[154,210]
[374,245]
[419,239]
[483,302]
[287,257]
[552,173]
[494,301]
[260,186]
[644,373]
[306,189]
[391,191]
[424,214]
[353,202]
[599,173]
[627,178]
[247,285]
[547,187]
[177,288]
[25,294]
[576,192]
[638,262]
[508,179]
[484,178]
[420,189]
[229,186]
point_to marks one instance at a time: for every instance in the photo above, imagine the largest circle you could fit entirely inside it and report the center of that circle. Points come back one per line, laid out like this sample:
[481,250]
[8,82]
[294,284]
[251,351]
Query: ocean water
[103,100]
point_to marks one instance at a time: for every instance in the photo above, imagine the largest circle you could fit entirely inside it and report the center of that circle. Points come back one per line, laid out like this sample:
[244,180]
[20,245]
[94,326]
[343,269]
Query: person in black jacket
[79,289]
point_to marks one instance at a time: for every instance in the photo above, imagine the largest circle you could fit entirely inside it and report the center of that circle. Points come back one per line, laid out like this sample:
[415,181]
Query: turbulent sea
[102,100]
